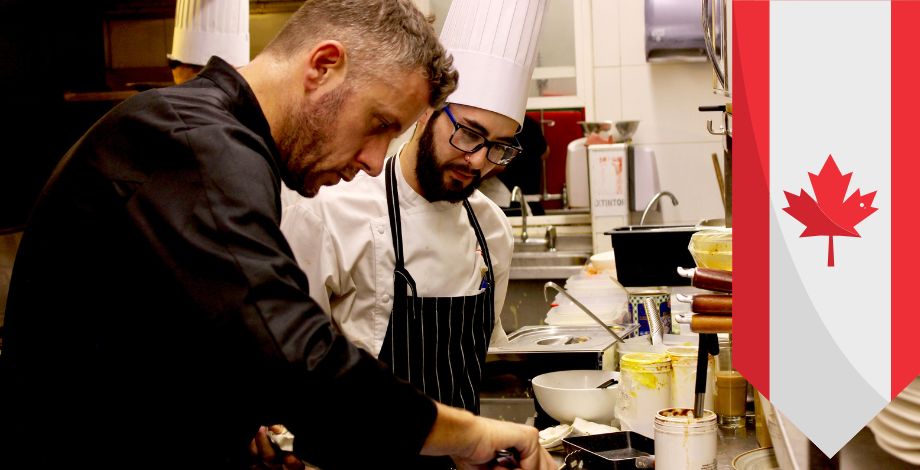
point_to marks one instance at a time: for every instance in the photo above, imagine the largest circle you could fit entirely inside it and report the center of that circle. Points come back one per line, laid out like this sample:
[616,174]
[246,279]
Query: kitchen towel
[824,217]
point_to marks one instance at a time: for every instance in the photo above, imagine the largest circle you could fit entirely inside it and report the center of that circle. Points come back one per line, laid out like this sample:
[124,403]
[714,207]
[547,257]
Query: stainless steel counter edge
[543,272]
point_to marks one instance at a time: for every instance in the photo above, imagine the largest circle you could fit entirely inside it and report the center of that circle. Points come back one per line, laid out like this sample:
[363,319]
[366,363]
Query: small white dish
[909,395]
[757,459]
[907,423]
[903,408]
[909,456]
[552,437]
[604,261]
[892,431]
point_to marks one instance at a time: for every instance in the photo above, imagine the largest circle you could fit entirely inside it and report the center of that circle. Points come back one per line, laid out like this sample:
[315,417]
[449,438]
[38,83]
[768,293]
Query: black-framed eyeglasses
[468,140]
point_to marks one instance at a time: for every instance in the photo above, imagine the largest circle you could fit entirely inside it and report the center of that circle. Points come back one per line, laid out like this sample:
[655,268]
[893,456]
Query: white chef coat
[495,190]
[341,239]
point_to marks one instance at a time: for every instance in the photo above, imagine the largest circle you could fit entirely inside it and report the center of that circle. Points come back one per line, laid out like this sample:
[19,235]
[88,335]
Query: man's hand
[472,441]
[269,455]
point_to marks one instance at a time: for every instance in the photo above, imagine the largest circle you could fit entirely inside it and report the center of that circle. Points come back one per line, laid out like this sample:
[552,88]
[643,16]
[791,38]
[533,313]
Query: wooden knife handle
[713,279]
[711,324]
[715,304]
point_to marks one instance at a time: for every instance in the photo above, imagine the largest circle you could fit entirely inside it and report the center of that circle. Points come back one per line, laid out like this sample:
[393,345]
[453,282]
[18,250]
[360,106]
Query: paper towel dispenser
[673,31]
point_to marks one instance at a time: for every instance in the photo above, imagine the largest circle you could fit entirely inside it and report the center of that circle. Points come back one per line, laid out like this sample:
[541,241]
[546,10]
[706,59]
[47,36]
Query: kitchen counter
[732,442]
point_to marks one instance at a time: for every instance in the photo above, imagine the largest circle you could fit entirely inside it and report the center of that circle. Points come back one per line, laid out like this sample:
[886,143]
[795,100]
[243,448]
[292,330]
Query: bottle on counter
[708,279]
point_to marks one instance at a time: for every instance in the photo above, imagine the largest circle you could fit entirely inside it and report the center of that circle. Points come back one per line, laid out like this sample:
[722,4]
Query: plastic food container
[712,248]
[683,377]
[645,389]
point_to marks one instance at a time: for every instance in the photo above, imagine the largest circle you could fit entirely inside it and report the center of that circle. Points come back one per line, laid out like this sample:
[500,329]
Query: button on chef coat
[341,239]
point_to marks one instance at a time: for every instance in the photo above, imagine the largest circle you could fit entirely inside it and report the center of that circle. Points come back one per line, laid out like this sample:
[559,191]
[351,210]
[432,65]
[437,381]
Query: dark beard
[304,140]
[431,176]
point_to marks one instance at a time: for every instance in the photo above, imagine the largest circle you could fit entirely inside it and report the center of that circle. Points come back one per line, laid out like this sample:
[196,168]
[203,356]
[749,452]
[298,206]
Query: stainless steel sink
[563,242]
[533,258]
[531,245]
[549,258]
[547,264]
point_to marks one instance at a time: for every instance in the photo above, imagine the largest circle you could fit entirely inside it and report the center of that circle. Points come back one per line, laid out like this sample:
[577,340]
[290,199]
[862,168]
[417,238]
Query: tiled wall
[664,97]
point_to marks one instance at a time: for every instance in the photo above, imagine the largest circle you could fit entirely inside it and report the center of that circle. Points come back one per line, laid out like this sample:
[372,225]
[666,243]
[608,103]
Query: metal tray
[616,450]
[554,339]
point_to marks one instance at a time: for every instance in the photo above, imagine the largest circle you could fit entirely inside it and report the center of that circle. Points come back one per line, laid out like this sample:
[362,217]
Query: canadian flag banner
[826,161]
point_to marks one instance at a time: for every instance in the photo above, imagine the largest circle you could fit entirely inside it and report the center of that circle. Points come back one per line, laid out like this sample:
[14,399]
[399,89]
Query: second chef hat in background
[494,45]
[206,28]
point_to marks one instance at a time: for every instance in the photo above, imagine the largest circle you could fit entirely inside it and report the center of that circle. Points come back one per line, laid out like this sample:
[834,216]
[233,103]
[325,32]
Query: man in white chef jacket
[205,28]
[427,300]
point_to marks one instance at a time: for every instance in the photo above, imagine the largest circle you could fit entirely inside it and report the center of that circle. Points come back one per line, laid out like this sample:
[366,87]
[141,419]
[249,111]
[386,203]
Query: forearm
[451,432]
[472,441]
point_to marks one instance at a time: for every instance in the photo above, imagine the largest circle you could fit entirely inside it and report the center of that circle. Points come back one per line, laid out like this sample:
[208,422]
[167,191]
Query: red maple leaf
[829,214]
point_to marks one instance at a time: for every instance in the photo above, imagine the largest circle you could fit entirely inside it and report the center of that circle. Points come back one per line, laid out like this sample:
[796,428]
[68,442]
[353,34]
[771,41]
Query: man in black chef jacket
[156,316]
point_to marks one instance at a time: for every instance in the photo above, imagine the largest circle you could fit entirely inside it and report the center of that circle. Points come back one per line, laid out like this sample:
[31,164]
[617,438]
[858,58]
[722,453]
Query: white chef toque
[211,27]
[494,45]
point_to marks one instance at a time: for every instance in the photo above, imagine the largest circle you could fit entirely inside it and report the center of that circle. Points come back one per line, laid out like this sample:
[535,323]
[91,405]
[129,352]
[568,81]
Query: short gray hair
[380,37]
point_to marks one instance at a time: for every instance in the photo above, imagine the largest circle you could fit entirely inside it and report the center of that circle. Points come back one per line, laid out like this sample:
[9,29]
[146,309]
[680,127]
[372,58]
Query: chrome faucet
[550,238]
[518,195]
[652,202]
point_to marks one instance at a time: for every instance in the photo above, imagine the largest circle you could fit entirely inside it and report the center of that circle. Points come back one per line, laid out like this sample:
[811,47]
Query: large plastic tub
[648,255]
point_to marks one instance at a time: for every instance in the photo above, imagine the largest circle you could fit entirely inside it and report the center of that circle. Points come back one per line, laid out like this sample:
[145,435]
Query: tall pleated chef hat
[211,27]
[494,45]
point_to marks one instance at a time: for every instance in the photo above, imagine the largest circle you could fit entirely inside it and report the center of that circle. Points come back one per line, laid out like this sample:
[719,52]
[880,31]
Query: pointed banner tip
[825,426]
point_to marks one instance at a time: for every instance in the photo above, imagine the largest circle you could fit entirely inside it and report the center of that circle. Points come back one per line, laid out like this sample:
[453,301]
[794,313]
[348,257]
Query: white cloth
[341,239]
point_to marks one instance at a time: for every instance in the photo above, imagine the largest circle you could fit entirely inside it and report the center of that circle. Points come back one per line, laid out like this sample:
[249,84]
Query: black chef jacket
[157,317]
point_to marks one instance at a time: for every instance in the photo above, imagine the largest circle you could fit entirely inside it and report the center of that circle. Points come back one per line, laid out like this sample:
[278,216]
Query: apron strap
[482,242]
[401,277]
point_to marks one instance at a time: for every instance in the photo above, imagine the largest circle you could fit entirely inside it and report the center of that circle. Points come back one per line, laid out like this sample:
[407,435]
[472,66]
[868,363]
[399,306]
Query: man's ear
[426,115]
[325,66]
[422,122]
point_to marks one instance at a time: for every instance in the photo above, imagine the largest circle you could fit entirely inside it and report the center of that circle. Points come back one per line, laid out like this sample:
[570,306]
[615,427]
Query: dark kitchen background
[64,64]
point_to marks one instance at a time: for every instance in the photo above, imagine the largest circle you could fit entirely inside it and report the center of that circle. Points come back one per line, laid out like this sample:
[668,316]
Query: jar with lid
[684,441]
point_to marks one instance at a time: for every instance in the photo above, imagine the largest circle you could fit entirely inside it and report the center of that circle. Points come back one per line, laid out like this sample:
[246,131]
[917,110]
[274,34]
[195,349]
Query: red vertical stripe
[905,169]
[751,191]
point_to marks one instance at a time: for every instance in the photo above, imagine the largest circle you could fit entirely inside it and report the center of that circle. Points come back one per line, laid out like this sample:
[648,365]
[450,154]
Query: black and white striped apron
[438,344]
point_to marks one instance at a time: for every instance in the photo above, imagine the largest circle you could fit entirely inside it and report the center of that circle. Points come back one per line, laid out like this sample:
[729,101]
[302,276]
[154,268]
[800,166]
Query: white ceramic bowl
[604,261]
[569,394]
[757,459]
